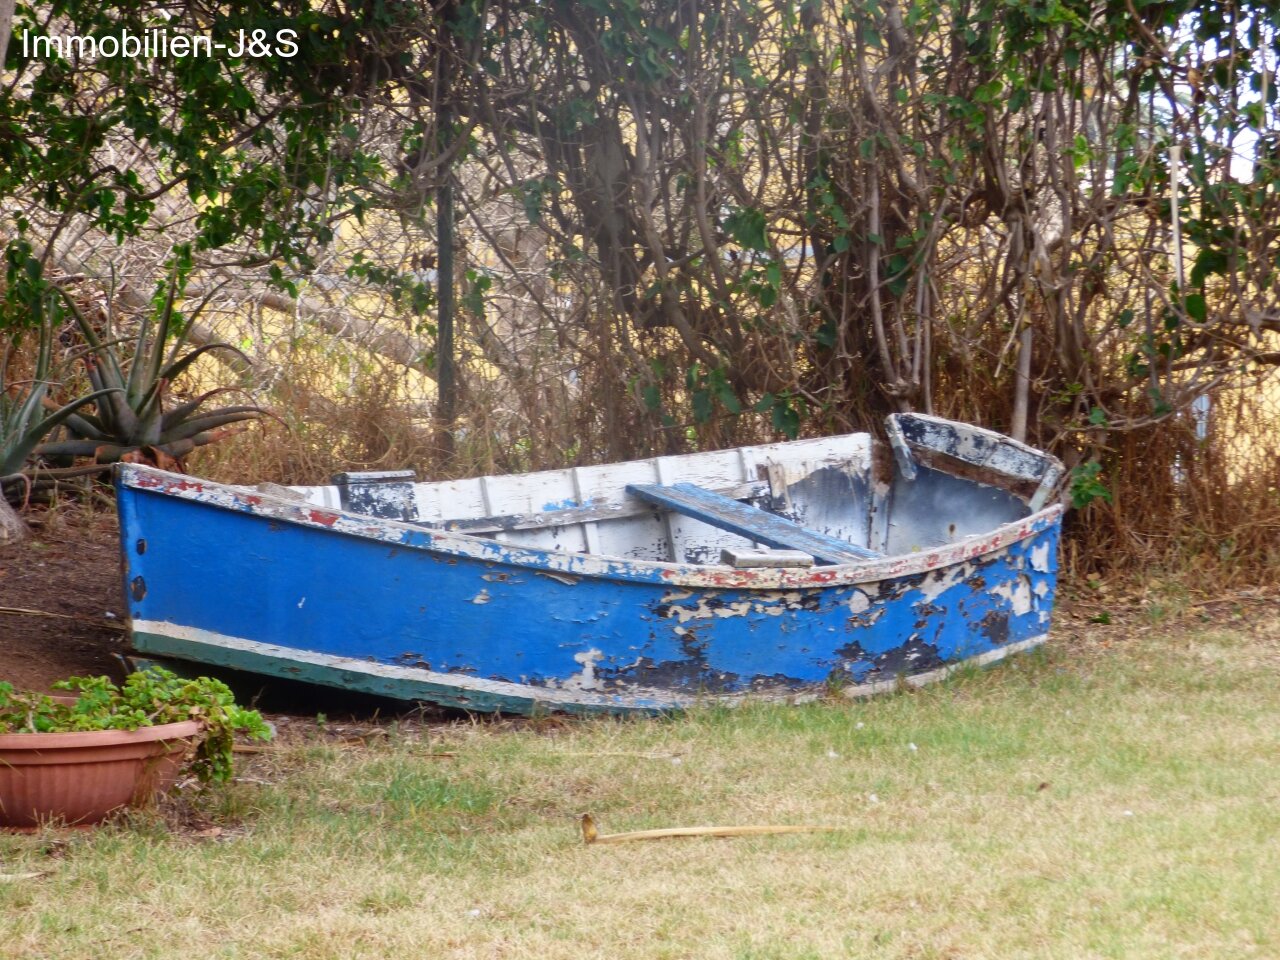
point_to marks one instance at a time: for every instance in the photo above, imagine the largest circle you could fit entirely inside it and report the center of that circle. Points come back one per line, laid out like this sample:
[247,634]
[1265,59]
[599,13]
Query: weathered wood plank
[590,513]
[973,445]
[590,528]
[450,498]
[749,522]
[765,559]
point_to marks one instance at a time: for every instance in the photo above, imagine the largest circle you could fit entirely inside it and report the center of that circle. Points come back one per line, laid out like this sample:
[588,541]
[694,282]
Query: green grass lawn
[1080,802]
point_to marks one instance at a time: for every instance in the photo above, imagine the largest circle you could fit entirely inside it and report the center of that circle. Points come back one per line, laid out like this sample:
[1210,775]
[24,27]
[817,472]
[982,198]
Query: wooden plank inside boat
[749,522]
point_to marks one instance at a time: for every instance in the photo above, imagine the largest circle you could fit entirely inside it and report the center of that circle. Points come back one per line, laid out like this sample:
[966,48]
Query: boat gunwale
[557,565]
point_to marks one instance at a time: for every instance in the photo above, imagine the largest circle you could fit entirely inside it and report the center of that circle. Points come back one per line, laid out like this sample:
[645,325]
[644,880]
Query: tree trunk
[6,26]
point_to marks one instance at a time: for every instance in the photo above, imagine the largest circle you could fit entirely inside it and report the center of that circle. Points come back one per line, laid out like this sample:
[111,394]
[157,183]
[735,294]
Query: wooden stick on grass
[592,835]
[92,621]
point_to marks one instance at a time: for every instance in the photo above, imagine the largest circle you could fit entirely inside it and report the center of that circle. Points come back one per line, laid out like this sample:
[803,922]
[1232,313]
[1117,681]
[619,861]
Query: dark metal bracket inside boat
[385,494]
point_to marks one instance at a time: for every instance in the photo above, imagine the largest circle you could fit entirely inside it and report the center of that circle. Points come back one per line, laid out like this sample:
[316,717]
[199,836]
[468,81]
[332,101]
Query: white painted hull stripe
[636,698]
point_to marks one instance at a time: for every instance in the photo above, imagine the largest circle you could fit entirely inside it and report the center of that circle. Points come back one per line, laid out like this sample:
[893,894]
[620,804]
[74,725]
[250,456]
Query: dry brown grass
[1205,512]
[1097,801]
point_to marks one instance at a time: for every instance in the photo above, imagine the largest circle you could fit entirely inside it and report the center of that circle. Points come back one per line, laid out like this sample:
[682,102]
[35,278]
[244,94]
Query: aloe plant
[131,415]
[27,415]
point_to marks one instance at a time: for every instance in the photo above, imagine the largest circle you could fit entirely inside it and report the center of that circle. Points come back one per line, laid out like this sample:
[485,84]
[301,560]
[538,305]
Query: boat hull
[227,577]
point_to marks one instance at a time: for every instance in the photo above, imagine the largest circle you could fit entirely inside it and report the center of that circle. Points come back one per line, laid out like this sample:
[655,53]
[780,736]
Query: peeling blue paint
[568,504]
[224,570]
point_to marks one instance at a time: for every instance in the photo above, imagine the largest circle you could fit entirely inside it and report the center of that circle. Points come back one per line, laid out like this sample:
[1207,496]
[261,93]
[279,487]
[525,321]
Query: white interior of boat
[827,485]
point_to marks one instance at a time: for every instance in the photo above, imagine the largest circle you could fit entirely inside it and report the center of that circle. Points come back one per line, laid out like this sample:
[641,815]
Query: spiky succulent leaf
[118,417]
[109,371]
[23,440]
[57,449]
[147,355]
[184,410]
[29,416]
[131,414]
[179,366]
[210,421]
[85,425]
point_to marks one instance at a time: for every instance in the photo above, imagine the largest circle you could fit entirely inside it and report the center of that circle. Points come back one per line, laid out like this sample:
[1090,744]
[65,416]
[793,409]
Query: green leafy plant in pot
[75,759]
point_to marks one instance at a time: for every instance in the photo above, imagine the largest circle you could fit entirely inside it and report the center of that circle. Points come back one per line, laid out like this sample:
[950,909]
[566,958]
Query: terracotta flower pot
[80,778]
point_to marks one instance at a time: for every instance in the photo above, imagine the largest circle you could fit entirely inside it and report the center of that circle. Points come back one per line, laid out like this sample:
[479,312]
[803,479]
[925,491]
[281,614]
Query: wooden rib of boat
[787,570]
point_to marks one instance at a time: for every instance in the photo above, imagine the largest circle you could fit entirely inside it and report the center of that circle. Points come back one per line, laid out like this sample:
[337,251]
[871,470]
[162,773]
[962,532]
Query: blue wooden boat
[785,571]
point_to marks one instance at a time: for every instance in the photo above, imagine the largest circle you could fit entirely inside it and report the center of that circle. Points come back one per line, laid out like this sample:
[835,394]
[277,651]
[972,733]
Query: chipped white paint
[771,603]
[901,450]
[603,485]
[1040,558]
[981,447]
[586,680]
[764,557]
[481,597]
[859,602]
[590,530]
[940,581]
[279,660]
[1017,593]
[1049,484]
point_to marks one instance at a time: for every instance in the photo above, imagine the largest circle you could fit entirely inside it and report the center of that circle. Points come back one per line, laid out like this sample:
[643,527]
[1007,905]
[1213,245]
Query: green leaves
[1210,261]
[532,194]
[1196,307]
[785,412]
[708,388]
[246,138]
[478,284]
[988,92]
[1086,485]
[147,698]
[764,283]
[746,225]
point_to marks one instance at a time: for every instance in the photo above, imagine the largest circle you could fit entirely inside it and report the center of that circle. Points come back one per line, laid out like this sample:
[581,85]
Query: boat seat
[750,522]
